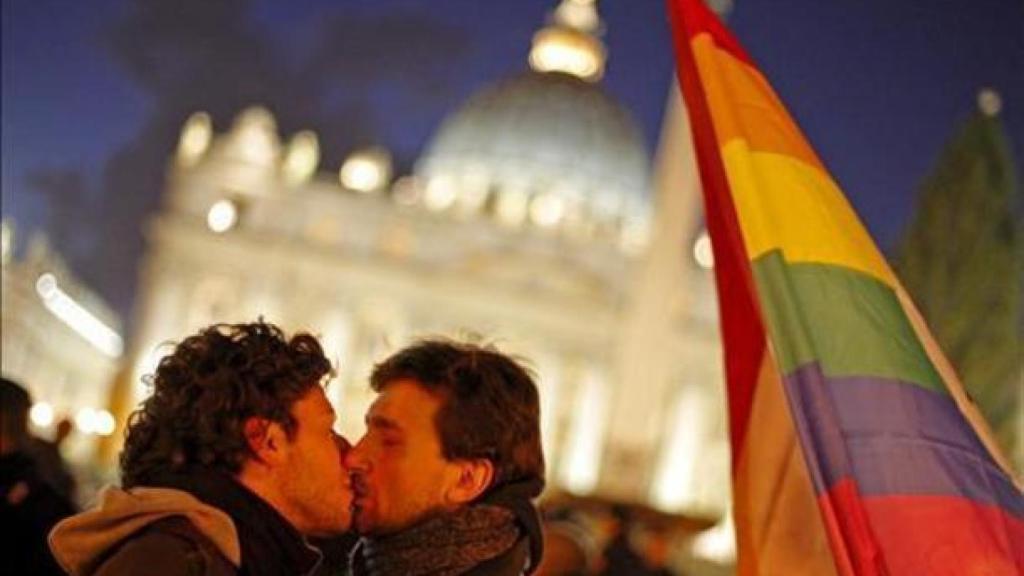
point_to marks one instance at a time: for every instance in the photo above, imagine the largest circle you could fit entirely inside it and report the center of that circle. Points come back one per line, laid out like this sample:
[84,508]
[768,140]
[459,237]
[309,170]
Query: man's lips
[360,491]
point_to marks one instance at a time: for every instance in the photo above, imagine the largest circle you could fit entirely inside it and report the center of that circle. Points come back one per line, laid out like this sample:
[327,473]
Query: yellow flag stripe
[784,204]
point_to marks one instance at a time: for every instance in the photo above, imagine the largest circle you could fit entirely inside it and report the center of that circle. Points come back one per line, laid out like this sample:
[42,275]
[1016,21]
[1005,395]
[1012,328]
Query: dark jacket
[29,508]
[525,555]
[199,523]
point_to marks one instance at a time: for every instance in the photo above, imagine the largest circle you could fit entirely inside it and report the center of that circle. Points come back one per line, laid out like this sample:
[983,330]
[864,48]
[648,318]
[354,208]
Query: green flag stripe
[851,323]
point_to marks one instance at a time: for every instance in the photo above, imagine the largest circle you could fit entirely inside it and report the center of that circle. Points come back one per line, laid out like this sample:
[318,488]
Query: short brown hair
[206,389]
[490,404]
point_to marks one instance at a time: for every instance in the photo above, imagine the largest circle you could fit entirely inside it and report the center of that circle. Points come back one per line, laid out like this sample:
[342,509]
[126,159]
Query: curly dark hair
[206,389]
[490,404]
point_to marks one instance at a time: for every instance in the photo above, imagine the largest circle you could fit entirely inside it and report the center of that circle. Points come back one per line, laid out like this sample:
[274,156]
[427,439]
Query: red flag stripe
[739,313]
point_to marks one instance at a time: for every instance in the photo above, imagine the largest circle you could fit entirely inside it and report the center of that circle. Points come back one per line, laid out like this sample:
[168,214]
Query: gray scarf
[444,545]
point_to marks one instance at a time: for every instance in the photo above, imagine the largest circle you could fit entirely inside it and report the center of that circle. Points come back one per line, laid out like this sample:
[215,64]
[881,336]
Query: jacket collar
[270,544]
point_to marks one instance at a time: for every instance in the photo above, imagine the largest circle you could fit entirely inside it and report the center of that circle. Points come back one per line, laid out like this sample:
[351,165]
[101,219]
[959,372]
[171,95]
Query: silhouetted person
[30,506]
[50,463]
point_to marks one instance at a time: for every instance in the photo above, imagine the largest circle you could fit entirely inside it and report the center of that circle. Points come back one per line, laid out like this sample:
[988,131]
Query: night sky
[95,92]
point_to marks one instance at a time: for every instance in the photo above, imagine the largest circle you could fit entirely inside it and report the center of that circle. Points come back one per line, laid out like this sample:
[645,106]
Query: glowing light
[718,543]
[255,136]
[87,421]
[92,421]
[440,193]
[702,252]
[41,414]
[567,51]
[989,102]
[223,216]
[578,14]
[546,210]
[301,160]
[103,423]
[83,322]
[366,170]
[195,138]
[6,241]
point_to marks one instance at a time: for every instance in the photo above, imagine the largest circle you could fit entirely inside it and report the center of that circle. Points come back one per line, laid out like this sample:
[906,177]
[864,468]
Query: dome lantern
[570,42]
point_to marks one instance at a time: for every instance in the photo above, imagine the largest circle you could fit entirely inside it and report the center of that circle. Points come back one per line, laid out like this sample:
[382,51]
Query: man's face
[314,478]
[398,470]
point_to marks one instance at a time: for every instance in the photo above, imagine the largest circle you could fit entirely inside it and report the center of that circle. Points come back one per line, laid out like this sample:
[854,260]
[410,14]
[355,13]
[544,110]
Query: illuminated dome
[547,147]
[539,136]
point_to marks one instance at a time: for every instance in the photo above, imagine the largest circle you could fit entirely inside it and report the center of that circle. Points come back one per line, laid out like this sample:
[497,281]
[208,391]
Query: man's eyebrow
[376,421]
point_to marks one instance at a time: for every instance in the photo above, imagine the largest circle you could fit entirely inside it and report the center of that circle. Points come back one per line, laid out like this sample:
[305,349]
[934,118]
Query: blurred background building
[60,341]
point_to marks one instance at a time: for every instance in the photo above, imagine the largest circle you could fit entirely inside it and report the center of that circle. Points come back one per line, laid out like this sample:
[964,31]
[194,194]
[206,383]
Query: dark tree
[961,260]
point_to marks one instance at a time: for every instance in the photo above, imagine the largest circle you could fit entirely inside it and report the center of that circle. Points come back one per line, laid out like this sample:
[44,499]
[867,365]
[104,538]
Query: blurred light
[578,14]
[702,251]
[546,210]
[104,423]
[440,193]
[223,216]
[718,543]
[567,51]
[586,437]
[301,160]
[88,326]
[366,170]
[41,414]
[255,136]
[87,421]
[195,138]
[989,102]
[6,241]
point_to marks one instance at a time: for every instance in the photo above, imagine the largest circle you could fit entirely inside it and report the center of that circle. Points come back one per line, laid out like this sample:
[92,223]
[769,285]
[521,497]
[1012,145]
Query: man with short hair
[450,461]
[227,468]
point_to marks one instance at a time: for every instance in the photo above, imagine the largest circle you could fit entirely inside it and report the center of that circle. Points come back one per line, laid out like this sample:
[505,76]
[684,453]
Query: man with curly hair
[227,467]
[451,459]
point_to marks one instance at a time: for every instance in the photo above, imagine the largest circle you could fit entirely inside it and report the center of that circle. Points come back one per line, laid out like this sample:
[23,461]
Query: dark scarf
[445,545]
[270,545]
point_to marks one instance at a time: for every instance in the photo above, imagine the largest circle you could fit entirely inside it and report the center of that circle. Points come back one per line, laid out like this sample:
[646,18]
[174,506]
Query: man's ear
[266,440]
[474,478]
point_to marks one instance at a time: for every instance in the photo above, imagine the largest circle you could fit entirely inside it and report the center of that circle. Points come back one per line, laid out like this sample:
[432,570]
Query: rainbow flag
[855,449]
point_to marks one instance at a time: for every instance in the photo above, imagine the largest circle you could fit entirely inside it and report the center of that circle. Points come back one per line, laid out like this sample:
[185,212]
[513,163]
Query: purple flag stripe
[892,438]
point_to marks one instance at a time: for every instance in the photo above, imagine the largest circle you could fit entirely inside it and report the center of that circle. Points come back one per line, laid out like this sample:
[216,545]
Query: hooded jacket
[195,521]
[156,530]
